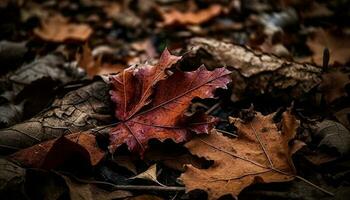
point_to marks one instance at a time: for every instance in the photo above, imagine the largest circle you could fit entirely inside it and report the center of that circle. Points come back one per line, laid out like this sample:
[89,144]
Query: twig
[316,186]
[129,187]
[226,132]
[214,107]
[150,187]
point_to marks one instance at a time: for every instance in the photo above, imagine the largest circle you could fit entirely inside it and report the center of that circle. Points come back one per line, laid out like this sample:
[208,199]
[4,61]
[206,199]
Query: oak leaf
[259,154]
[164,99]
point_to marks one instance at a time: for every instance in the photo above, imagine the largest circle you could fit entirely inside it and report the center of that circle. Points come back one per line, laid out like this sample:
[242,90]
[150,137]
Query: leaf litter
[94,105]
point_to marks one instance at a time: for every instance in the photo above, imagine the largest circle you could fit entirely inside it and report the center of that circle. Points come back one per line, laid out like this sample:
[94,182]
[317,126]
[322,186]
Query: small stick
[132,187]
[226,132]
[211,109]
[150,187]
[316,186]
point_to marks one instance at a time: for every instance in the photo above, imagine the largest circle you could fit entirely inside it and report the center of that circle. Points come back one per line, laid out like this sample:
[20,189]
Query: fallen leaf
[319,158]
[94,66]
[86,191]
[11,176]
[11,54]
[317,10]
[333,135]
[259,154]
[150,174]
[343,116]
[333,85]
[254,71]
[29,89]
[172,161]
[126,162]
[174,16]
[79,110]
[163,117]
[53,153]
[57,29]
[338,46]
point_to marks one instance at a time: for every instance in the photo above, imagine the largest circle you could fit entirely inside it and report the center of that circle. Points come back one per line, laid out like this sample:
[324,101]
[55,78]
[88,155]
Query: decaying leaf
[256,71]
[343,116]
[259,154]
[58,29]
[173,161]
[172,17]
[85,191]
[333,135]
[94,66]
[79,110]
[29,89]
[11,54]
[338,46]
[333,85]
[53,153]
[11,176]
[163,117]
[150,174]
[126,162]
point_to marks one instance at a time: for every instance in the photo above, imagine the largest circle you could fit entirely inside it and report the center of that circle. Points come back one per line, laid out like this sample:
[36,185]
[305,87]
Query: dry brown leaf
[53,153]
[254,71]
[343,116]
[79,110]
[333,85]
[85,191]
[150,174]
[172,17]
[94,66]
[338,46]
[126,162]
[316,10]
[176,162]
[259,154]
[57,29]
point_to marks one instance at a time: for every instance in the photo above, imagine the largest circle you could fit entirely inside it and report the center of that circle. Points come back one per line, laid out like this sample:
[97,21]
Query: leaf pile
[94,106]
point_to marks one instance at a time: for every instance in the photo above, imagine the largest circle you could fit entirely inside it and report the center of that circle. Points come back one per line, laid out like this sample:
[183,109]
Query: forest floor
[173,99]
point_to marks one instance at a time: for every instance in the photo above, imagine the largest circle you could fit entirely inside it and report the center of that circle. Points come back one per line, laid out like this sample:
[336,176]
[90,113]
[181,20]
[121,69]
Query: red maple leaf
[150,104]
